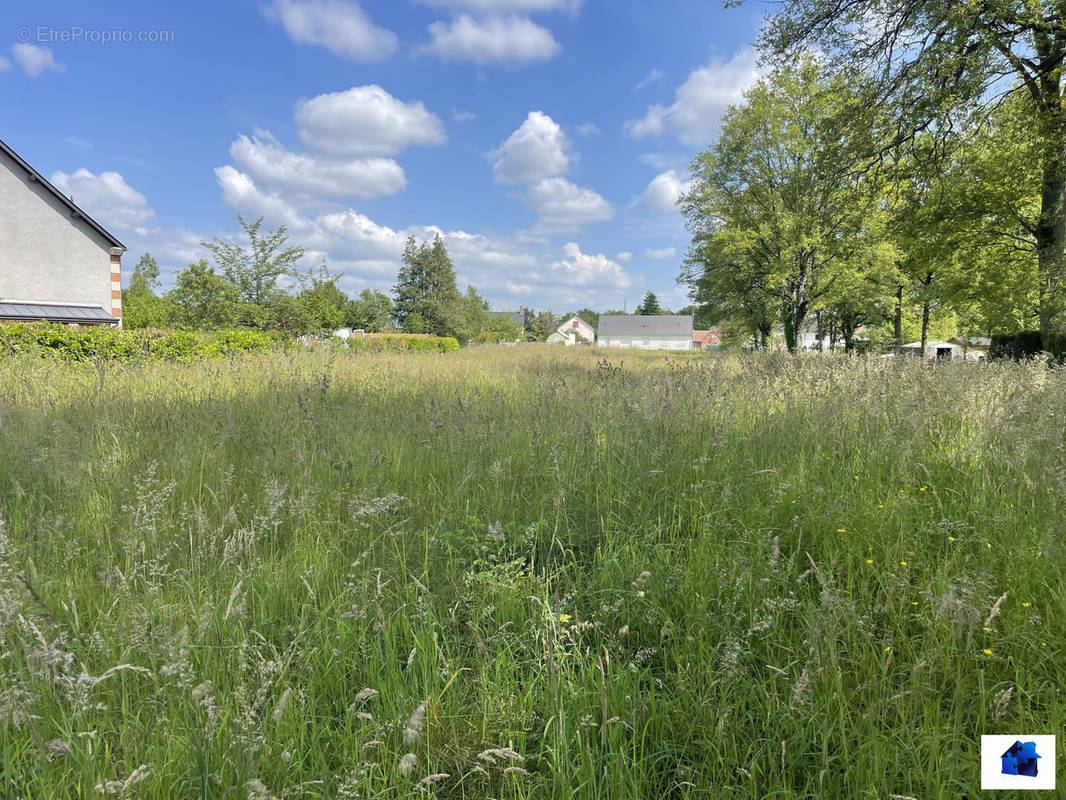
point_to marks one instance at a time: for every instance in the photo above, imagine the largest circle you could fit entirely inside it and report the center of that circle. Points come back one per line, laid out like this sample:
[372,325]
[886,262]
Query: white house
[939,350]
[573,331]
[646,332]
[56,262]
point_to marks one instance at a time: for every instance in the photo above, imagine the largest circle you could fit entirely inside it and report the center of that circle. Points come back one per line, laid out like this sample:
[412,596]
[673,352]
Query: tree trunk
[819,329]
[897,331]
[788,320]
[925,326]
[1051,240]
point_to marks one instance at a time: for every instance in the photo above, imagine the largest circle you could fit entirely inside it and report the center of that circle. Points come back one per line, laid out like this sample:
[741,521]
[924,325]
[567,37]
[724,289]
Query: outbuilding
[646,331]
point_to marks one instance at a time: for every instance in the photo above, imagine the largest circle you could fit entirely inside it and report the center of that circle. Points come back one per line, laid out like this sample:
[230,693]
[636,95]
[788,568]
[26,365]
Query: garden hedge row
[87,343]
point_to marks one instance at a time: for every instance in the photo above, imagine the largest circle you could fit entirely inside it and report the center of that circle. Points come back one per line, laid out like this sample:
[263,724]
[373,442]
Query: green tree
[777,210]
[203,299]
[145,277]
[650,306]
[325,304]
[425,289]
[934,58]
[370,311]
[255,269]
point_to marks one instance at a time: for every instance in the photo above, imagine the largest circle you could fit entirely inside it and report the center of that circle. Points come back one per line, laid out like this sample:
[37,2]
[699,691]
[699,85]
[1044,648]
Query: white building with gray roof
[56,262]
[645,331]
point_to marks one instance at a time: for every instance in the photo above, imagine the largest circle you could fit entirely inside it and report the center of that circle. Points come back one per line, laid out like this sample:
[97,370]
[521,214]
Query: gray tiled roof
[645,325]
[54,312]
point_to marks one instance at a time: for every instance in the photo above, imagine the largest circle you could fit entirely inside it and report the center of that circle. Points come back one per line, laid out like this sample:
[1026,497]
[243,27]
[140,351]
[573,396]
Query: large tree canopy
[932,59]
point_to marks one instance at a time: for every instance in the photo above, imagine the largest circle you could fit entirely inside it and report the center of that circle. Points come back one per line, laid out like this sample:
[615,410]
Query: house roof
[646,325]
[75,211]
[918,345]
[518,317]
[21,311]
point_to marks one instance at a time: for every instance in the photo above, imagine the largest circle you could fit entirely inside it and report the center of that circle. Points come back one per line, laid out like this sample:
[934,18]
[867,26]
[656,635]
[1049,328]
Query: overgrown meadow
[526,573]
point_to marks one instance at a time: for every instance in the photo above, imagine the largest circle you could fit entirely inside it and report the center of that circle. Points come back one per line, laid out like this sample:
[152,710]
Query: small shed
[940,350]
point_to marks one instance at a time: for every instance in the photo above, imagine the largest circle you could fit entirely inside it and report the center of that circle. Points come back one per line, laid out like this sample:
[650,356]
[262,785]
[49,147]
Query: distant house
[944,351]
[706,340]
[517,317]
[56,262]
[573,331]
[646,331]
[974,348]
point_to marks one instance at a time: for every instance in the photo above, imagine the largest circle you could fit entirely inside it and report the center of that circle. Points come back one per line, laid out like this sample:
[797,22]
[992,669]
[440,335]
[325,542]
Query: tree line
[259,285]
[908,181]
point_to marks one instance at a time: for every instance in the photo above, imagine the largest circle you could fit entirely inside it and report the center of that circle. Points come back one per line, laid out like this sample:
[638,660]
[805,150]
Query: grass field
[524,572]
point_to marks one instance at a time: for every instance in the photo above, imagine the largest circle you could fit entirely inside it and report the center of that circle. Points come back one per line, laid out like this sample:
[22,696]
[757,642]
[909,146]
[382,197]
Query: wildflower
[286,756]
[923,488]
[987,652]
[888,648]
[856,477]
[986,628]
[564,618]
[407,764]
[1043,644]
[914,602]
[841,530]
[869,561]
[951,538]
[623,630]
[413,729]
[903,563]
[1026,604]
[880,505]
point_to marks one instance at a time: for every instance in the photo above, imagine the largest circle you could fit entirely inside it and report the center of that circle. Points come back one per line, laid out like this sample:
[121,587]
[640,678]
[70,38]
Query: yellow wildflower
[903,563]
[987,652]
[869,561]
[914,602]
[841,530]
[1026,604]
[951,538]
[564,618]
[923,488]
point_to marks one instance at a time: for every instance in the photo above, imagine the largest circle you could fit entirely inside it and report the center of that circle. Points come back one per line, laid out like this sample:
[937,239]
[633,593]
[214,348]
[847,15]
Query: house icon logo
[1020,759]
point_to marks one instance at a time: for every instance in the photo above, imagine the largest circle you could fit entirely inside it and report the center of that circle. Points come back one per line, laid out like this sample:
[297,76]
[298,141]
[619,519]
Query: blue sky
[546,139]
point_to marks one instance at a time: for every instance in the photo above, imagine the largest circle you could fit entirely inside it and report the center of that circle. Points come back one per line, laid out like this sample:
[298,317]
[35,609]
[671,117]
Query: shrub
[405,341]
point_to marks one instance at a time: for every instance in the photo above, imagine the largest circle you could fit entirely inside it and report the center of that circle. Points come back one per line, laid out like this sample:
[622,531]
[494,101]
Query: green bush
[391,343]
[115,344]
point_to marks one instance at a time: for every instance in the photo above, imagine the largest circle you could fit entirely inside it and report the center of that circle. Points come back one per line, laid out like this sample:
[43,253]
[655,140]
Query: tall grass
[526,573]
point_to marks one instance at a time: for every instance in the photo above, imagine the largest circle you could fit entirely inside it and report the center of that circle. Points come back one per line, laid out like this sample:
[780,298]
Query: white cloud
[565,207]
[581,269]
[108,199]
[650,78]
[35,60]
[587,129]
[624,257]
[658,254]
[264,158]
[366,121]
[700,101]
[506,6]
[366,251]
[340,26]
[664,190]
[463,116]
[495,39]
[538,149]
[5,65]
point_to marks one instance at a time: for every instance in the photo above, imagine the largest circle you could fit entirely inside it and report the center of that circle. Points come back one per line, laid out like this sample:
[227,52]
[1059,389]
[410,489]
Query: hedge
[1025,345]
[393,342]
[85,343]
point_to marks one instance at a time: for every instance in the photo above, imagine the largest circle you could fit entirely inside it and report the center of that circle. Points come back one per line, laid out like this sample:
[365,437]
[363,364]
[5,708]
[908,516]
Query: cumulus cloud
[35,60]
[366,121]
[340,26]
[664,190]
[624,257]
[660,253]
[108,199]
[506,6]
[264,158]
[364,250]
[563,206]
[512,39]
[587,129]
[700,102]
[538,149]
[585,270]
